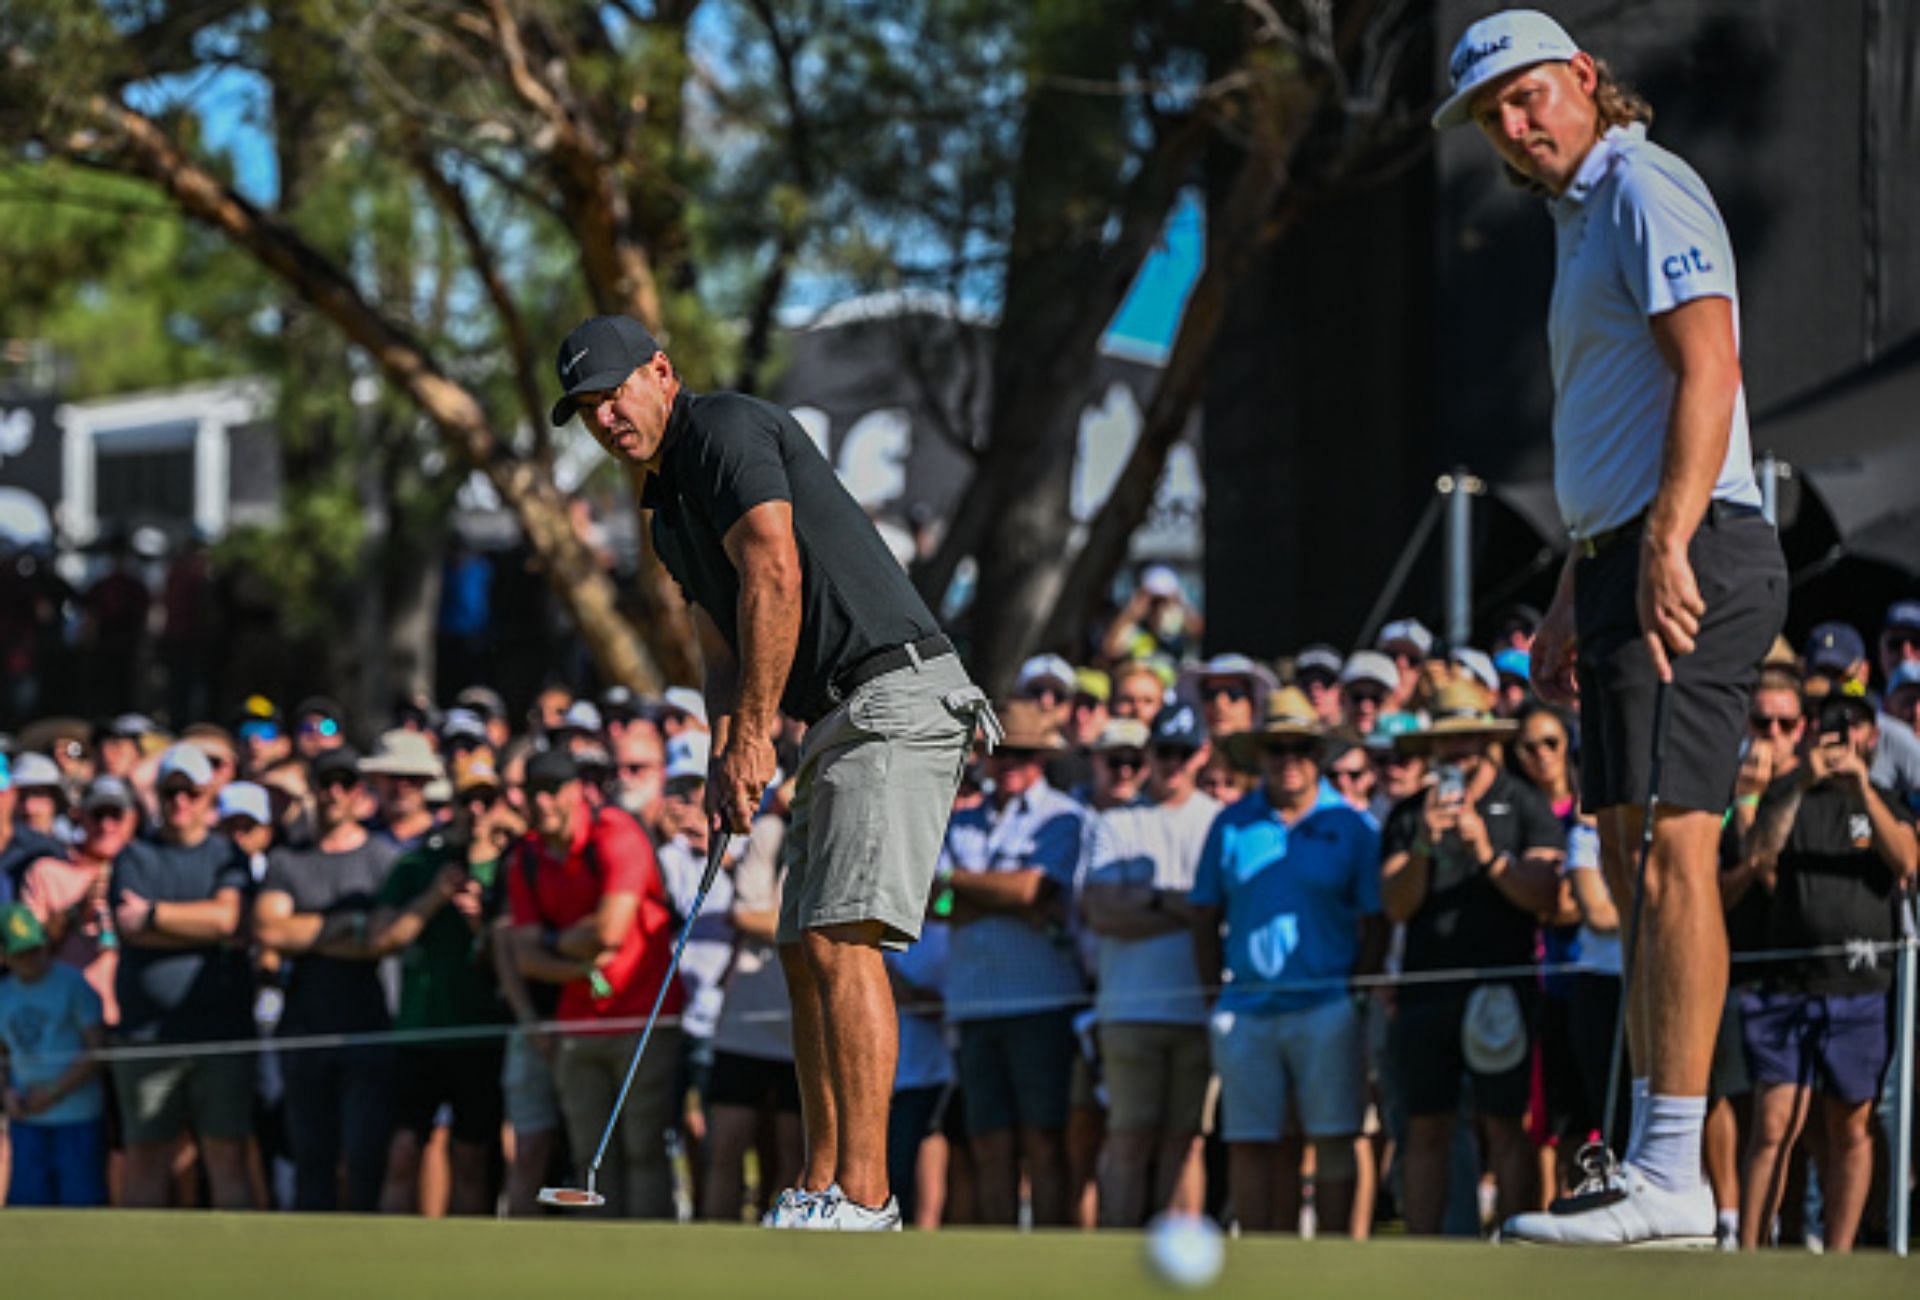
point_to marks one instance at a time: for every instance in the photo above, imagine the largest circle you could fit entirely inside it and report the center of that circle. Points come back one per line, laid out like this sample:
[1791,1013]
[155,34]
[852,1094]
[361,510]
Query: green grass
[154,1256]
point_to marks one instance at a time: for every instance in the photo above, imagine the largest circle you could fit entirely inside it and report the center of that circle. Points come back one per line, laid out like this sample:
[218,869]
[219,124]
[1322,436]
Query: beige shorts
[870,806]
[1156,1077]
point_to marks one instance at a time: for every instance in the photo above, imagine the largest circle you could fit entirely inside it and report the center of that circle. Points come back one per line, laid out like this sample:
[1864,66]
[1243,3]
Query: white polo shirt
[1636,234]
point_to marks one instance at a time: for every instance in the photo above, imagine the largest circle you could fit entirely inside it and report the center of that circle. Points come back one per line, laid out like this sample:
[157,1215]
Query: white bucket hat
[1493,1033]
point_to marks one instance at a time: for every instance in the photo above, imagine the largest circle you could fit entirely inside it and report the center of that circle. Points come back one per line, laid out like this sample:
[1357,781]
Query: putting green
[154,1256]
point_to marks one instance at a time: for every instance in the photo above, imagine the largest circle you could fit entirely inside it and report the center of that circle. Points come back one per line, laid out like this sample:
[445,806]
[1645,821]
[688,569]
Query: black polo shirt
[726,453]
[1831,886]
[1465,920]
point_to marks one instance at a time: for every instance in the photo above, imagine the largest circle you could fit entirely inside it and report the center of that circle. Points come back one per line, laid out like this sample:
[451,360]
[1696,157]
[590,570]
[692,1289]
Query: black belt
[881,662]
[1717,512]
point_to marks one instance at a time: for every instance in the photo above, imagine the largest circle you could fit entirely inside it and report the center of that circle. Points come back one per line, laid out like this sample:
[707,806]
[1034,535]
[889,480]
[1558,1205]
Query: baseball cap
[1259,677]
[1903,614]
[33,770]
[1319,657]
[473,770]
[484,701]
[1477,663]
[1159,580]
[599,354]
[344,759]
[245,799]
[1121,733]
[1836,646]
[463,724]
[23,929]
[1493,47]
[1370,666]
[552,767]
[619,704]
[684,699]
[1180,725]
[688,755]
[130,726]
[581,715]
[1407,631]
[189,761]
[107,792]
[1044,668]
[1389,727]
[1514,663]
[1092,683]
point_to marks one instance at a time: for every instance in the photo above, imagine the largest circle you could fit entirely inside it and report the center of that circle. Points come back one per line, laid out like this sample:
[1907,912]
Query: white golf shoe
[793,1207]
[1617,1206]
[833,1212]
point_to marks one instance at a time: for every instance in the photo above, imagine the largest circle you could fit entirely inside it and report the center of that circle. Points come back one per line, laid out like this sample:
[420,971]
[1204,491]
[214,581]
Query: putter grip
[716,853]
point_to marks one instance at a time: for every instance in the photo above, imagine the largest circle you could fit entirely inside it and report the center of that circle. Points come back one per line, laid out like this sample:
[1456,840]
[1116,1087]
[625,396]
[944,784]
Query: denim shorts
[1310,1064]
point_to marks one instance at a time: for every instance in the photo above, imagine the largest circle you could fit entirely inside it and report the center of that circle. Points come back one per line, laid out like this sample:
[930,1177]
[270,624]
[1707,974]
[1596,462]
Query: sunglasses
[172,792]
[320,727]
[638,769]
[1232,690]
[1131,759]
[1172,753]
[1350,773]
[1773,724]
[338,781]
[1294,749]
[547,788]
[110,813]
[1366,695]
[1547,744]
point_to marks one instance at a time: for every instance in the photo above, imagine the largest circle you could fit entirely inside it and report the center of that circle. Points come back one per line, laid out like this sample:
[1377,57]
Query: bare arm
[277,925]
[1594,900]
[1404,878]
[1529,882]
[1125,911]
[1025,890]
[755,927]
[1893,839]
[1696,340]
[765,555]
[722,675]
[536,963]
[604,931]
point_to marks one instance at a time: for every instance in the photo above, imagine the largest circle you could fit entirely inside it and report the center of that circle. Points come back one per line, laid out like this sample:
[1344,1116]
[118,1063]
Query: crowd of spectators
[1321,942]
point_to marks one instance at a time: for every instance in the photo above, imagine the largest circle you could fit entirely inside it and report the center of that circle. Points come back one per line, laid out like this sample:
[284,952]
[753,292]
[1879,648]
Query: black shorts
[1429,1063]
[464,1076]
[753,1082]
[1743,579]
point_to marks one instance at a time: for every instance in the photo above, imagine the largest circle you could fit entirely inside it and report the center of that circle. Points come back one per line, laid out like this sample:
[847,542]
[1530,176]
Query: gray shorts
[1309,1064]
[870,806]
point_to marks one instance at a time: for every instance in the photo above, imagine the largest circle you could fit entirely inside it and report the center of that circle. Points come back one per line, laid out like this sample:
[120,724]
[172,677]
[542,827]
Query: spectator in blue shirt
[1287,895]
[1014,978]
[50,1026]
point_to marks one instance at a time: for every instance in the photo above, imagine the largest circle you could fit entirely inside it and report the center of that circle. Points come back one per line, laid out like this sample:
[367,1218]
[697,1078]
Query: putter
[583,1198]
[1662,695]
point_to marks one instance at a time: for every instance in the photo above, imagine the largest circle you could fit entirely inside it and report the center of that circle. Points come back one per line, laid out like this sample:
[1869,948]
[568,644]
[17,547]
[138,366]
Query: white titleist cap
[1495,46]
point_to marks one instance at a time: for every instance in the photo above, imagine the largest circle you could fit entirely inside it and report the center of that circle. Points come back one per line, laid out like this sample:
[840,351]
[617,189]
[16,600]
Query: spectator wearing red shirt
[591,914]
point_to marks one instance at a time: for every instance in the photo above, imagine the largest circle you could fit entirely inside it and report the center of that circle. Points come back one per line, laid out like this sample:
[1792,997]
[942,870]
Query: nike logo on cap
[576,358]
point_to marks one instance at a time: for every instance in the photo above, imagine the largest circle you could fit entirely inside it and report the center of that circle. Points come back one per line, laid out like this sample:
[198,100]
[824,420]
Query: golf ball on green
[1185,1250]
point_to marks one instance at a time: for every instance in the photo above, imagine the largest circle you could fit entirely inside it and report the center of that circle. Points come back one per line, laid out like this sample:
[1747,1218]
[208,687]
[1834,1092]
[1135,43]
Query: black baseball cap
[551,767]
[341,759]
[599,354]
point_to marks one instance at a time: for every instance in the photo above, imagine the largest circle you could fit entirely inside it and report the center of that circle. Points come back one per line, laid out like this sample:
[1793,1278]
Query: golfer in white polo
[1674,585]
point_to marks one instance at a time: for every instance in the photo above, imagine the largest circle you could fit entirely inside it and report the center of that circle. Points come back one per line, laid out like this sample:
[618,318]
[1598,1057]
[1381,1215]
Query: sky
[233,109]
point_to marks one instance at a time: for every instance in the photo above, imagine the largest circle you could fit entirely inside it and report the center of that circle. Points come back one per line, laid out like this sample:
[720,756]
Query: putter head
[570,1198]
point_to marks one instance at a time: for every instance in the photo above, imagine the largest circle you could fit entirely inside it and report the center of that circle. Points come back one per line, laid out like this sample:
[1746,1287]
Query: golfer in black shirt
[801,608]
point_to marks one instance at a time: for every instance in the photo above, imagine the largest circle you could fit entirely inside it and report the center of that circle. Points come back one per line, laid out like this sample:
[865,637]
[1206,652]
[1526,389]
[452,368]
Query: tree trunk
[146,151]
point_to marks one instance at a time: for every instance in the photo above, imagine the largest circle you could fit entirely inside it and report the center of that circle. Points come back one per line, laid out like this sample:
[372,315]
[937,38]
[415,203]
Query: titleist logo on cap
[1464,60]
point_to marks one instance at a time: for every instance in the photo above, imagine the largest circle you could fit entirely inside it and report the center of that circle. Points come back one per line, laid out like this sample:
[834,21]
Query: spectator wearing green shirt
[447,984]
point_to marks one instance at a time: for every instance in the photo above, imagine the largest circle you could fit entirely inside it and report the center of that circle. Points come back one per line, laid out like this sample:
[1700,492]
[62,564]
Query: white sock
[1669,1153]
[1637,1119]
[1730,1222]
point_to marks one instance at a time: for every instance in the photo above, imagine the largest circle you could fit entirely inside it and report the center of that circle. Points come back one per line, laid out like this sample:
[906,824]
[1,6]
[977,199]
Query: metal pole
[1900,1202]
[1770,489]
[1460,557]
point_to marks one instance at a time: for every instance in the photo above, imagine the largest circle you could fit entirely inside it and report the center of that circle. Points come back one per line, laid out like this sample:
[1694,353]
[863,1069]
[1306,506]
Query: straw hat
[1458,710]
[1290,716]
